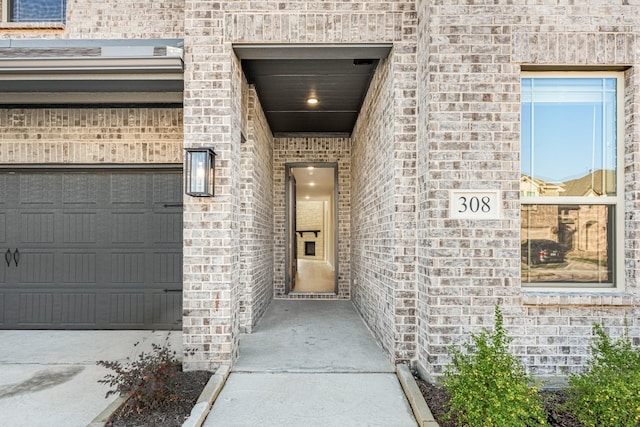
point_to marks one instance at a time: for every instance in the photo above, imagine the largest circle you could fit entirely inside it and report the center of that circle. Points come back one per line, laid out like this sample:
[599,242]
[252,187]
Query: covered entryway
[90,249]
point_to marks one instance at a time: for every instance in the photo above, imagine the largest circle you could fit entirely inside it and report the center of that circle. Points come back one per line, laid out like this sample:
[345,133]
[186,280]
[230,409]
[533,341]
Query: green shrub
[608,392]
[150,382]
[489,386]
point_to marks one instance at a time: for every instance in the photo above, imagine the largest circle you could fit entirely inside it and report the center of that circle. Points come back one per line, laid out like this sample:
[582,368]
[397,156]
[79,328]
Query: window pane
[567,243]
[568,137]
[38,10]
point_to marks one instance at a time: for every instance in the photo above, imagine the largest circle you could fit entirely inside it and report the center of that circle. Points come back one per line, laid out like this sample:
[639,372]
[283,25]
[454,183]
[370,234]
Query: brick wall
[256,215]
[211,112]
[470,128]
[109,19]
[383,205]
[91,135]
[312,150]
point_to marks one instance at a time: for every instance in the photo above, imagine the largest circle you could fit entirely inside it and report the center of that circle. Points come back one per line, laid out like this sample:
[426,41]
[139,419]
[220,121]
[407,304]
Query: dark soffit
[285,76]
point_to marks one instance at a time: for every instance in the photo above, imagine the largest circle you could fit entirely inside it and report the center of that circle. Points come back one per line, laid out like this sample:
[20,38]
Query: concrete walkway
[50,378]
[311,363]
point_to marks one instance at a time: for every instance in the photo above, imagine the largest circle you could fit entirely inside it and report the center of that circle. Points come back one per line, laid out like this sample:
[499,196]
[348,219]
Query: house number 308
[474,204]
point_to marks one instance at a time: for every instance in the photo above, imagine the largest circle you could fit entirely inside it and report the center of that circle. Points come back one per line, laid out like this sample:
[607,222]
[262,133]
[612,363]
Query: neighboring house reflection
[582,230]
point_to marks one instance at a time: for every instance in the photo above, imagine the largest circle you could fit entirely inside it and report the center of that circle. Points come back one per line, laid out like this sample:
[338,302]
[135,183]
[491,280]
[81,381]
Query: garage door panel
[40,189]
[127,267]
[95,250]
[167,268]
[127,309]
[80,227]
[37,227]
[35,308]
[127,188]
[167,227]
[78,309]
[167,308]
[167,188]
[3,228]
[4,267]
[128,227]
[79,268]
[80,189]
[36,267]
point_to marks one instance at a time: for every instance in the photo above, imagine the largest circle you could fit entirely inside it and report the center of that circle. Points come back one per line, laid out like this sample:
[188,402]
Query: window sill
[32,26]
[587,299]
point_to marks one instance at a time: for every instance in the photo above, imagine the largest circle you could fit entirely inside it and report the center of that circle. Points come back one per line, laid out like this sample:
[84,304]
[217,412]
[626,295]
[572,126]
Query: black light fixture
[200,171]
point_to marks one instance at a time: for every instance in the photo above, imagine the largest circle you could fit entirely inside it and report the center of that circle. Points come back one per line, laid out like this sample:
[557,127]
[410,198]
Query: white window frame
[618,281]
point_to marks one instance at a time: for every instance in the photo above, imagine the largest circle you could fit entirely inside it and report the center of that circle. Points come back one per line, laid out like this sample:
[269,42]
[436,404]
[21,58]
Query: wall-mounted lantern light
[200,171]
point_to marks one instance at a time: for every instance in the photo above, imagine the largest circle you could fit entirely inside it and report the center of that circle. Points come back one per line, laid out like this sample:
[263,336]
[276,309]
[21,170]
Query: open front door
[292,244]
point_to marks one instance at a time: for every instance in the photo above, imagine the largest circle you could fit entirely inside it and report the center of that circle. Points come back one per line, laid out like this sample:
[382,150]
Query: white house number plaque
[474,204]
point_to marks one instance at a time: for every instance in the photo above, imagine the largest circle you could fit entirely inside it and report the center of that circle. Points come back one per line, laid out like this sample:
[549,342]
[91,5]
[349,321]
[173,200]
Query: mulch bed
[190,385]
[437,398]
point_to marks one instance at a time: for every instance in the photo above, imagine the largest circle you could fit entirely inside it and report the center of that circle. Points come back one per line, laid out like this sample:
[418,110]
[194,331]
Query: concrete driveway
[49,378]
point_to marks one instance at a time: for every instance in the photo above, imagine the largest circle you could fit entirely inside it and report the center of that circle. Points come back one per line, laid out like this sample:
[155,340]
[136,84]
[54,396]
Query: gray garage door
[90,250]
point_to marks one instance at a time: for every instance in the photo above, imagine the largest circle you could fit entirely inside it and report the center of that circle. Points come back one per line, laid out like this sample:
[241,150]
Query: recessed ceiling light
[312,101]
[312,184]
[306,197]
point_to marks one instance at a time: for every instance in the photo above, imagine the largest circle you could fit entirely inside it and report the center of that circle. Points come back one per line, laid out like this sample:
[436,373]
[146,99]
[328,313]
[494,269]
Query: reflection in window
[567,244]
[568,136]
[569,179]
[38,10]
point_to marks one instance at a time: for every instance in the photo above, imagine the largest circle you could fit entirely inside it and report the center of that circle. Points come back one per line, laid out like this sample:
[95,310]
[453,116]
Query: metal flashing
[312,51]
[58,43]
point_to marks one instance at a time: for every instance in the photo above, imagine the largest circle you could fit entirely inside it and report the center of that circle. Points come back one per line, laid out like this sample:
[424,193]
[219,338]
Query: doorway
[311,198]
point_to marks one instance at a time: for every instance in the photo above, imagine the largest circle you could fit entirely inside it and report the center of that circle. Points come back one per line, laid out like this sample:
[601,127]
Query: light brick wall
[213,117]
[108,19]
[442,117]
[373,209]
[91,135]
[383,205]
[312,150]
[423,341]
[256,215]
[470,105]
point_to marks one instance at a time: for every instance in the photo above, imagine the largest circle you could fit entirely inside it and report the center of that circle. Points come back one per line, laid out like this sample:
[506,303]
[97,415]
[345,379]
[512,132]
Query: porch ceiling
[286,76]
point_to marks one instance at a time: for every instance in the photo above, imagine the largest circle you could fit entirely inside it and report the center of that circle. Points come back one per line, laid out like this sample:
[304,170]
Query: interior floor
[314,276]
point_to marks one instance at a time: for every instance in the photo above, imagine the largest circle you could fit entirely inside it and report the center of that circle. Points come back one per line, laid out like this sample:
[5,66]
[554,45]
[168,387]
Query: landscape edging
[101,419]
[207,397]
[419,406]
[198,413]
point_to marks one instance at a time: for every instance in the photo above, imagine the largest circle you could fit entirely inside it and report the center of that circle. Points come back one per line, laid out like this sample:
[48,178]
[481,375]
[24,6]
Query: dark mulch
[190,385]
[437,398]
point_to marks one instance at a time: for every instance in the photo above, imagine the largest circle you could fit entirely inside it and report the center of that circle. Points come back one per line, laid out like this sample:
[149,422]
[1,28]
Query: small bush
[149,381]
[489,387]
[608,392]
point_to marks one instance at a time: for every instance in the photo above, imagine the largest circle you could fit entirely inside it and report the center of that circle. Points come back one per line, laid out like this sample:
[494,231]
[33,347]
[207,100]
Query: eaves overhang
[91,80]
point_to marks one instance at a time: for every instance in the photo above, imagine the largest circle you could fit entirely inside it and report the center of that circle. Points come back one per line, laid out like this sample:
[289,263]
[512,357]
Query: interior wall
[256,213]
[310,216]
[312,150]
[331,231]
